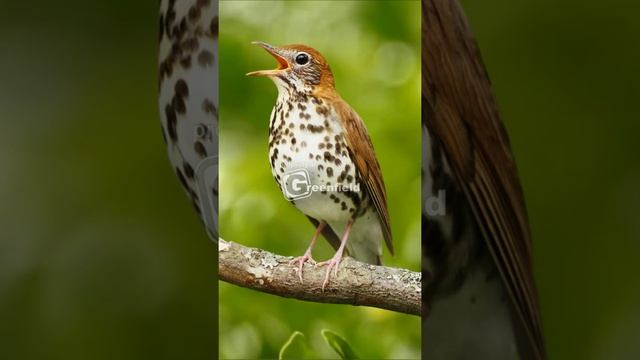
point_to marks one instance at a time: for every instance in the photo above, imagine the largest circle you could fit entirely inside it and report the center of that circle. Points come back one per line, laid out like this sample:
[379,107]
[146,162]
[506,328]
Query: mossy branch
[356,283]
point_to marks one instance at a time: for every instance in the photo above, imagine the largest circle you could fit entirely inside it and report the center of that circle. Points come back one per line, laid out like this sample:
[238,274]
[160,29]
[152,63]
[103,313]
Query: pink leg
[307,254]
[335,260]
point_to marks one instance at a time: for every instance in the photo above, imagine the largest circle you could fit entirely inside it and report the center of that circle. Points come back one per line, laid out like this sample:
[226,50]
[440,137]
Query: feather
[466,122]
[362,154]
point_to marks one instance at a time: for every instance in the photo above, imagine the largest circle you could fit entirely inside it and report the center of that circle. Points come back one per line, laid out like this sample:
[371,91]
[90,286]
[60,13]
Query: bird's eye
[302,59]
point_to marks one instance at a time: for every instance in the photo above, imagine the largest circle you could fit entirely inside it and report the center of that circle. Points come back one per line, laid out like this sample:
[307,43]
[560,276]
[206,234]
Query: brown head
[300,68]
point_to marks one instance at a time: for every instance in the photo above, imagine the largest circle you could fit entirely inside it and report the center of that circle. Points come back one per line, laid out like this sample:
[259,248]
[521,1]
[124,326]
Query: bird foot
[334,263]
[300,260]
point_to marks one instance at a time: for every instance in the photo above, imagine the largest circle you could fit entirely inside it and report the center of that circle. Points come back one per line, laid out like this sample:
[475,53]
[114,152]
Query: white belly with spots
[310,160]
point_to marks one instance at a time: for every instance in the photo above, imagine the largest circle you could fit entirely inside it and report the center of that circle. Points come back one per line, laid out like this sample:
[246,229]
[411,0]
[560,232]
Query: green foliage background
[102,255]
[374,52]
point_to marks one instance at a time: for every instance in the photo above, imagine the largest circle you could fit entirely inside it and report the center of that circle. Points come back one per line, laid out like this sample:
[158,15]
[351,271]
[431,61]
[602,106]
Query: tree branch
[357,283]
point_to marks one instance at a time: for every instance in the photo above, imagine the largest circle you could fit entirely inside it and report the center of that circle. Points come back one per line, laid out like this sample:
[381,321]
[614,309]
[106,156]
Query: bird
[479,291]
[317,139]
[188,100]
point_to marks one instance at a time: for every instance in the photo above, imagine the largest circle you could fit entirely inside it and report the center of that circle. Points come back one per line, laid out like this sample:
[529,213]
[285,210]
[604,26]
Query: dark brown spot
[205,58]
[190,45]
[194,14]
[188,170]
[328,156]
[179,105]
[329,172]
[213,27]
[186,62]
[200,150]
[321,110]
[315,128]
[209,107]
[172,120]
[181,88]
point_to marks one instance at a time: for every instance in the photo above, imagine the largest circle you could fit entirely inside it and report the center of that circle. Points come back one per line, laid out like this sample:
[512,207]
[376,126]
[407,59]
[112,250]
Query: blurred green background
[373,48]
[101,254]
[103,257]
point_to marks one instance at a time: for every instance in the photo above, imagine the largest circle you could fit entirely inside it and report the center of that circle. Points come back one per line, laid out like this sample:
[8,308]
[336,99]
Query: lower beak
[283,64]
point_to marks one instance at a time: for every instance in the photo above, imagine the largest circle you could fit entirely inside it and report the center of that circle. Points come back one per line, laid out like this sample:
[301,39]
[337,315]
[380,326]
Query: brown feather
[466,120]
[364,157]
[359,143]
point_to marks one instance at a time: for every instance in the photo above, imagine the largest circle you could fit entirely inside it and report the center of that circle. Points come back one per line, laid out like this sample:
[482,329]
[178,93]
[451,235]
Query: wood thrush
[322,158]
[479,286]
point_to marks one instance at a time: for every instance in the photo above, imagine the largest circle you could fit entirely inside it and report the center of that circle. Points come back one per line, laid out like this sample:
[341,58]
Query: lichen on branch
[356,283]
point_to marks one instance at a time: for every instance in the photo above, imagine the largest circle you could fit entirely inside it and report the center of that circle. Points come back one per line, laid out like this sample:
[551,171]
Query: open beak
[283,64]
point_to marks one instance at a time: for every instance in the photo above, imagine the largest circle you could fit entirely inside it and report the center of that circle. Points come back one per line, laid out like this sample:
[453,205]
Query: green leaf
[339,344]
[295,348]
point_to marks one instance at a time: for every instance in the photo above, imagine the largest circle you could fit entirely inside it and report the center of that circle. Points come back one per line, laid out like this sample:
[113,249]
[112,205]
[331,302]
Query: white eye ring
[302,58]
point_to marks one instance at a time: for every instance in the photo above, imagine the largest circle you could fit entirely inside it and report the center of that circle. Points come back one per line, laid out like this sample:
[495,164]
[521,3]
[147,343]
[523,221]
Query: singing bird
[315,134]
[479,288]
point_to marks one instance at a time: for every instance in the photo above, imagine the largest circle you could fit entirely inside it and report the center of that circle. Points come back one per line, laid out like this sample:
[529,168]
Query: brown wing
[362,154]
[462,114]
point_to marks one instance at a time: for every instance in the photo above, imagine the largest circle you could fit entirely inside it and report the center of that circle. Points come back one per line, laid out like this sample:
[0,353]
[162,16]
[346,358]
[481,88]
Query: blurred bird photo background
[103,257]
[373,48]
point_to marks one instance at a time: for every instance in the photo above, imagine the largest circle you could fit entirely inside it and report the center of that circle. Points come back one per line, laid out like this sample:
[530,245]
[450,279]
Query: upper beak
[283,64]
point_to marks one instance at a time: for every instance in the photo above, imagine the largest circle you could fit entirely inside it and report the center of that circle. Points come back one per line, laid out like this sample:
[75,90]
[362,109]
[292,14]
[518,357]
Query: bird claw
[300,260]
[334,263]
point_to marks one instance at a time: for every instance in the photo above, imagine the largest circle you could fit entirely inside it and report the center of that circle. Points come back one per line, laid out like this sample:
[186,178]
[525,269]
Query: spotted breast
[311,162]
[305,137]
